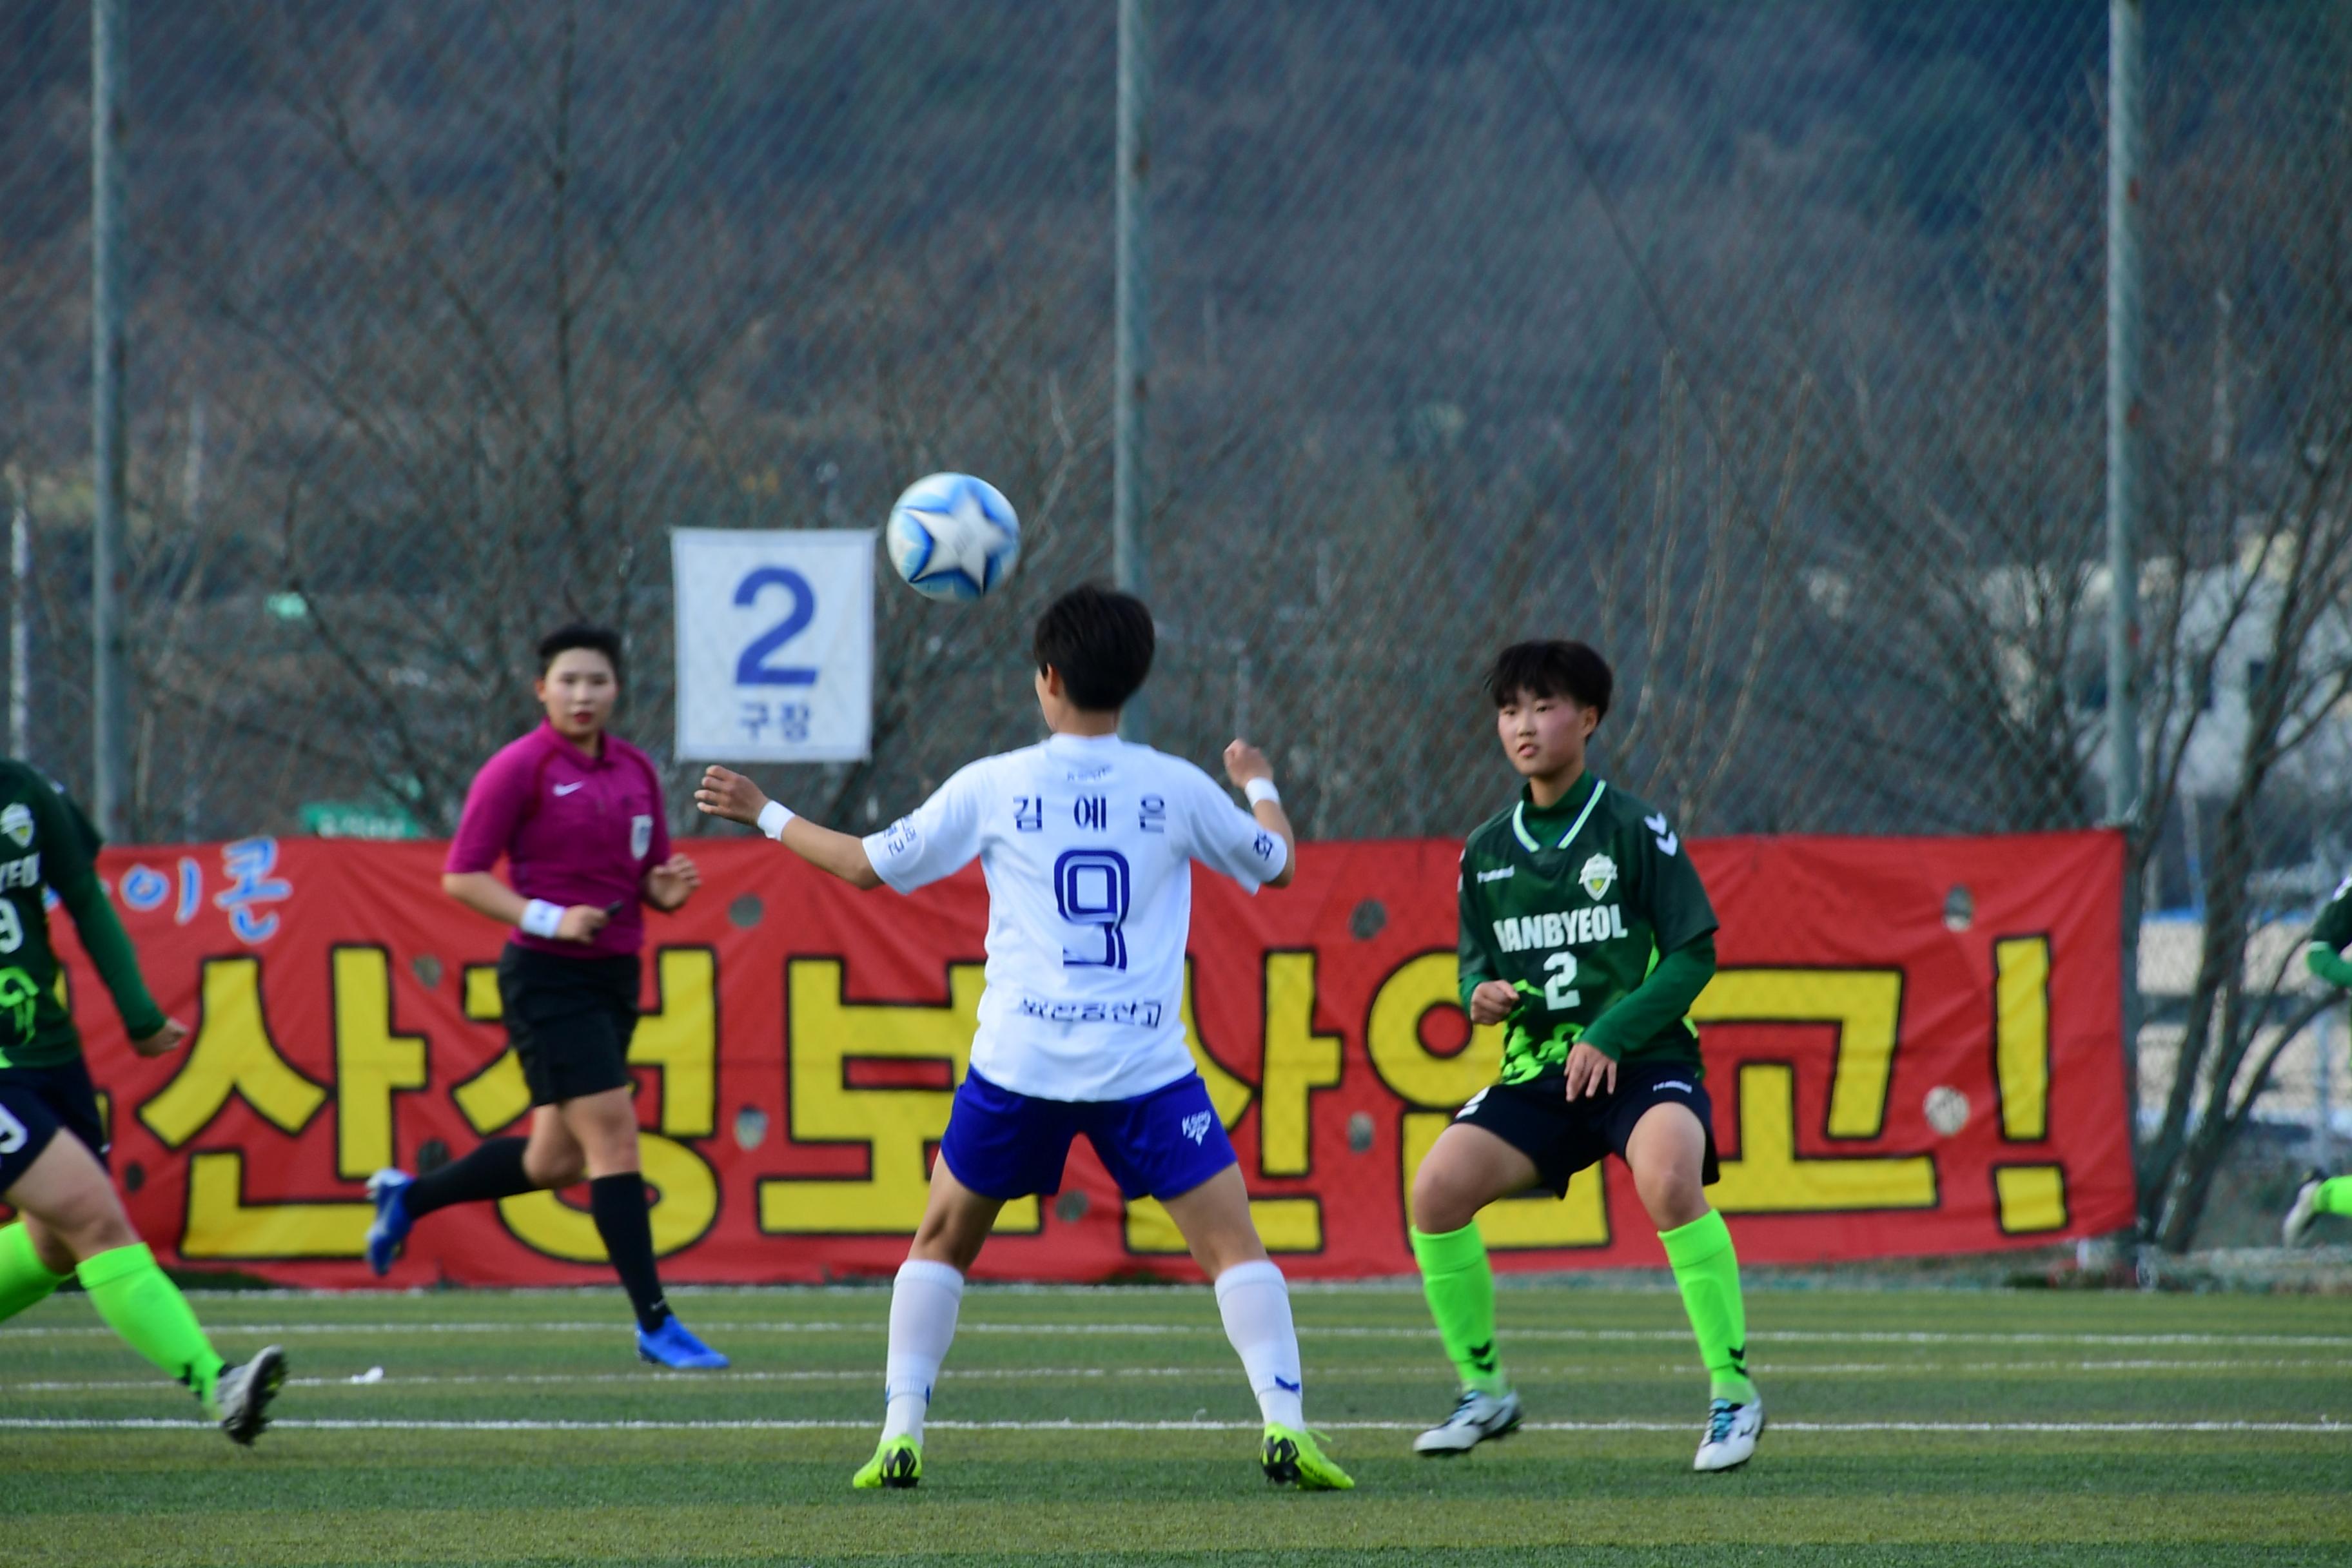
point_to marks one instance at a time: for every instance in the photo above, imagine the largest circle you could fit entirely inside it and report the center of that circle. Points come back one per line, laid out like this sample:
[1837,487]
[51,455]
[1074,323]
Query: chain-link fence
[1764,346]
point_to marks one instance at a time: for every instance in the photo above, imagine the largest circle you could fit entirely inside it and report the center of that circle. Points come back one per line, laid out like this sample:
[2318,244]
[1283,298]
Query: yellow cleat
[1292,1458]
[897,1462]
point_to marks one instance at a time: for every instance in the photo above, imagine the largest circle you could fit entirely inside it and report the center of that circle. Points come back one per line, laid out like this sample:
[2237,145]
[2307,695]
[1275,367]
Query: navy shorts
[36,1105]
[1538,1120]
[1157,1145]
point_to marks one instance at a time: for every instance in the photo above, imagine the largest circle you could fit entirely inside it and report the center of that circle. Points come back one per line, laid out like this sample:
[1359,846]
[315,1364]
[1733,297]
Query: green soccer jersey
[47,843]
[2331,933]
[1572,906]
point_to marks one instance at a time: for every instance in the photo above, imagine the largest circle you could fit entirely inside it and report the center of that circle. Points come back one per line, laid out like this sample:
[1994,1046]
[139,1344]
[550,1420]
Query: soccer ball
[953,537]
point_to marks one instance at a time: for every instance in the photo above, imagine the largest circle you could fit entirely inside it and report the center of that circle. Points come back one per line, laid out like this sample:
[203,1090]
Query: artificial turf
[1908,1426]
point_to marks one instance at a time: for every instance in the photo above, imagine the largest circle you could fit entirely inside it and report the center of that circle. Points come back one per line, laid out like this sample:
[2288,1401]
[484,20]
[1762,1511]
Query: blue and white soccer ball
[953,537]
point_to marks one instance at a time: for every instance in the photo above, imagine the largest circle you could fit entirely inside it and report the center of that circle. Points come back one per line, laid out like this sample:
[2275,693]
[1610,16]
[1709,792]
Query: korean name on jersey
[1086,843]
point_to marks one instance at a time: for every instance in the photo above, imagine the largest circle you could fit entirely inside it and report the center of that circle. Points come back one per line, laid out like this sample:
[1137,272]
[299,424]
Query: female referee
[577,814]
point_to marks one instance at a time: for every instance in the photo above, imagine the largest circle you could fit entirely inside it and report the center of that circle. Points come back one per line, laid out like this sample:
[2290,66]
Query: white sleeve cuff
[541,918]
[772,817]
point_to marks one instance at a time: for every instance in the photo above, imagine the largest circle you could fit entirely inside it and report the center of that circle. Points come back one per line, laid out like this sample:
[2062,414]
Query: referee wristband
[772,817]
[1260,791]
[540,917]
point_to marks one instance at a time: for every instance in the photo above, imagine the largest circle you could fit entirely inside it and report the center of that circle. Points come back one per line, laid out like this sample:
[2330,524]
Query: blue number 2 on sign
[754,668]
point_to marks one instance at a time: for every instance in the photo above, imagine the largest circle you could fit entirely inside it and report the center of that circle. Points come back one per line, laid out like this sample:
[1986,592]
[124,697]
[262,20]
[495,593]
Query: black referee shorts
[1563,1137]
[569,1020]
[39,1103]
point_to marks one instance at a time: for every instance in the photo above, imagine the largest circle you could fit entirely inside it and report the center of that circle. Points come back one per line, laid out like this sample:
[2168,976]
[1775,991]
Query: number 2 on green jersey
[1559,990]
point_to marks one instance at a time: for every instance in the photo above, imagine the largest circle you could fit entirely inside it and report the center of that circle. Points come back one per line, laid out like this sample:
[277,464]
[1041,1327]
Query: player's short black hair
[580,633]
[1552,667]
[1101,641]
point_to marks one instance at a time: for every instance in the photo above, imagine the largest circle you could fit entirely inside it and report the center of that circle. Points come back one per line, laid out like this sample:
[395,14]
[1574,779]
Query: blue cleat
[388,1190]
[672,1345]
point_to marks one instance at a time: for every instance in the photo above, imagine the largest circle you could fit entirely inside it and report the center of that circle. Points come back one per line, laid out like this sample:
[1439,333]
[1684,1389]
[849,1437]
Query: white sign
[775,644]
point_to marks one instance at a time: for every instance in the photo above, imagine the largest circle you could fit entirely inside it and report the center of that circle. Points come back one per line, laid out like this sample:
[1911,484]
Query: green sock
[147,1309]
[2334,1196]
[25,1279]
[1708,1272]
[1455,1277]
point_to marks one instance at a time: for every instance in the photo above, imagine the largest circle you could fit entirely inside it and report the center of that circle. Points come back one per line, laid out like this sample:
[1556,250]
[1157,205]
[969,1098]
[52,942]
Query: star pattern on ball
[962,536]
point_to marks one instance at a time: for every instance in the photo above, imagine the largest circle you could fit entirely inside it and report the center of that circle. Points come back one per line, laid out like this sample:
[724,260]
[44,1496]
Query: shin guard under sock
[140,1303]
[617,1202]
[1708,1269]
[924,1302]
[1460,1284]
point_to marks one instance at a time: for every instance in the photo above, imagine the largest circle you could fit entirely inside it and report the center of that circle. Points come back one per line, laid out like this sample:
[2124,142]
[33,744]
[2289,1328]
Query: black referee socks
[618,1204]
[492,1171]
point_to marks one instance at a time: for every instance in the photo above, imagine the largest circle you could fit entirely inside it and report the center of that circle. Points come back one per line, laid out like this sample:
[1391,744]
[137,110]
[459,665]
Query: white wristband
[772,817]
[540,917]
[1260,791]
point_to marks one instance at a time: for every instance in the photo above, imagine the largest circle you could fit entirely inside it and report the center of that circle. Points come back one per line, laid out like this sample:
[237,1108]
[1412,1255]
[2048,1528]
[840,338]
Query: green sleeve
[1663,999]
[2329,965]
[1668,887]
[1474,964]
[67,840]
[2331,933]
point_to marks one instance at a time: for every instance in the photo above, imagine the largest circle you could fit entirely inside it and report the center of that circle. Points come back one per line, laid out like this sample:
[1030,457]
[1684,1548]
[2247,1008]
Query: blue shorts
[1158,1145]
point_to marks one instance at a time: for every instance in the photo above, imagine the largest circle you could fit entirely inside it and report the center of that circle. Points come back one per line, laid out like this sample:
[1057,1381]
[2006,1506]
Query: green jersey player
[1587,935]
[2331,934]
[52,1139]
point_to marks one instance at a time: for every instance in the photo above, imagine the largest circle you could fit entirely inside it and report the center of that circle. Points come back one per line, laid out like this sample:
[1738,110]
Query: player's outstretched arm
[1245,762]
[724,793]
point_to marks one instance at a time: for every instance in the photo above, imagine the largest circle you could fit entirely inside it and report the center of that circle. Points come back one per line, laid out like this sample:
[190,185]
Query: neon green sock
[147,1309]
[2334,1196]
[25,1279]
[1708,1269]
[1460,1284]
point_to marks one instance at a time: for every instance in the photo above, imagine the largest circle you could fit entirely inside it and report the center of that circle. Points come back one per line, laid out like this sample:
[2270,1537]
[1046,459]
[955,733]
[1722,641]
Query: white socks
[923,1304]
[1255,1305]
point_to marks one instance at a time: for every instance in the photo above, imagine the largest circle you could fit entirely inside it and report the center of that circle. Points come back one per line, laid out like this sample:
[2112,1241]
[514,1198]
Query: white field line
[1789,1371]
[33,1424]
[1600,1336]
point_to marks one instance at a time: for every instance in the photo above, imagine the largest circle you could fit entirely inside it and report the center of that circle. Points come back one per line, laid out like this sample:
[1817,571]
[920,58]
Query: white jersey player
[1086,843]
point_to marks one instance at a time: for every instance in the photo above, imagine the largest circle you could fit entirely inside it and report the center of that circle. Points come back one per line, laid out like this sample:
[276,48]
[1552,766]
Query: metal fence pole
[1132,372]
[2124,411]
[2124,60]
[20,624]
[110,696]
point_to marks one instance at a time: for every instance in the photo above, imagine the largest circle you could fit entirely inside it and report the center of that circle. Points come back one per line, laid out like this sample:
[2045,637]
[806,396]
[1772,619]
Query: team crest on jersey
[641,836]
[17,822]
[1600,874]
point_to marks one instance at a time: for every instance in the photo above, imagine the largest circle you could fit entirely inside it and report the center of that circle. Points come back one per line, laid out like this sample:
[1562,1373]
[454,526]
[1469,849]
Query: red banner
[1913,1047]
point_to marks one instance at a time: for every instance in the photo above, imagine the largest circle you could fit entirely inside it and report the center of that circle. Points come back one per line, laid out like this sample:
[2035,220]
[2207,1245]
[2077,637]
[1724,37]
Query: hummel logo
[1196,1126]
[1497,874]
[1286,1384]
[1673,1083]
[1483,1356]
[1666,841]
[1739,1359]
[567,789]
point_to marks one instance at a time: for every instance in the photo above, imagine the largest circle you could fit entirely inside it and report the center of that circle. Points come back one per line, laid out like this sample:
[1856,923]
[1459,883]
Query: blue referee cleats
[672,1345]
[388,1190]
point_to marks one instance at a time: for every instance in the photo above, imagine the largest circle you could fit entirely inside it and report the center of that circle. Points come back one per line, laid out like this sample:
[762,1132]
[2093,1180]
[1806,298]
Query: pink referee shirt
[574,829]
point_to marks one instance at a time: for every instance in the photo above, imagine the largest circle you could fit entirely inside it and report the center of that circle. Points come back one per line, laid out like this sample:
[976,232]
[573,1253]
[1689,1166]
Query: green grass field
[1910,1427]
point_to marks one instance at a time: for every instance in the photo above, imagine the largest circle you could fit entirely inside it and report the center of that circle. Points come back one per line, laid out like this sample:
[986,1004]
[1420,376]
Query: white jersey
[1087,843]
